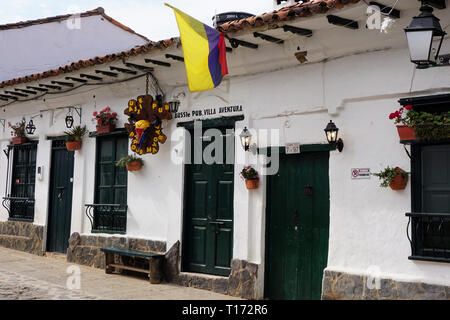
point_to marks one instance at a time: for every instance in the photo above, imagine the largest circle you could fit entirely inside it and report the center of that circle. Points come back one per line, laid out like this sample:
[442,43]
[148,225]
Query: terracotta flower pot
[134,166]
[19,140]
[400,181]
[73,145]
[252,184]
[106,129]
[406,133]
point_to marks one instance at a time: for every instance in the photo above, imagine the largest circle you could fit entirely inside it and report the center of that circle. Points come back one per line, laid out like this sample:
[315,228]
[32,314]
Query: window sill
[429,259]
[20,220]
[424,142]
[108,232]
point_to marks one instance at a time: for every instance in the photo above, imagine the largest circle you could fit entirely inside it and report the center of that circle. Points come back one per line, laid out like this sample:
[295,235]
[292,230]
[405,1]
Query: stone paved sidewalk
[27,277]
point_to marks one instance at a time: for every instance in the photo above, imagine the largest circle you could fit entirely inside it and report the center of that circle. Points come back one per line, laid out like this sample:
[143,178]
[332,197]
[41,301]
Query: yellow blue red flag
[204,52]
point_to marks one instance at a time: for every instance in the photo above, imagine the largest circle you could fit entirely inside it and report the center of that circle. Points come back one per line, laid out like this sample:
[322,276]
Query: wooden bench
[155,262]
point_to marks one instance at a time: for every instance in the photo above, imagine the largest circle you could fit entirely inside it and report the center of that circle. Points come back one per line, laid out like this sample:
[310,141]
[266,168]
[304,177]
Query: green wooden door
[297,227]
[111,184]
[61,185]
[208,214]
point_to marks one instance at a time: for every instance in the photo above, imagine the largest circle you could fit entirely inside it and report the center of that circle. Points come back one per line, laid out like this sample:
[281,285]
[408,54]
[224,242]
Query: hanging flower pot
[395,178]
[251,177]
[406,133]
[252,184]
[73,145]
[400,180]
[19,140]
[131,162]
[106,129]
[134,166]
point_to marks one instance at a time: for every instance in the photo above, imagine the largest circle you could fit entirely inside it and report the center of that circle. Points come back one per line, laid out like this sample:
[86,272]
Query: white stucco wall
[43,47]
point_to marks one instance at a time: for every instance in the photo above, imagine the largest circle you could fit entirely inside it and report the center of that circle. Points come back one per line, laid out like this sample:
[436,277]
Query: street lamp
[425,37]
[331,132]
[31,128]
[246,138]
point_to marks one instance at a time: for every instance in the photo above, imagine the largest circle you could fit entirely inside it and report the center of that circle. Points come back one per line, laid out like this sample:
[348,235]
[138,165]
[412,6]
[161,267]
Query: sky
[147,17]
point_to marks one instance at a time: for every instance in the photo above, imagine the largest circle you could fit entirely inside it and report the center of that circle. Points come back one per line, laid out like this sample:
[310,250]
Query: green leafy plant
[76,134]
[19,129]
[249,173]
[427,126]
[388,174]
[128,159]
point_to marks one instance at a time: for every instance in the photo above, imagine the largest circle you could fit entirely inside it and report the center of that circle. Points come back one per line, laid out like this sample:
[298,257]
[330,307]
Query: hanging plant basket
[73,145]
[106,129]
[134,166]
[400,181]
[252,184]
[406,133]
[19,140]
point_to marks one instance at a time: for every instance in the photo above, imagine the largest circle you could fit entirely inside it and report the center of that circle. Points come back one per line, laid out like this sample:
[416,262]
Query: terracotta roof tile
[284,14]
[86,63]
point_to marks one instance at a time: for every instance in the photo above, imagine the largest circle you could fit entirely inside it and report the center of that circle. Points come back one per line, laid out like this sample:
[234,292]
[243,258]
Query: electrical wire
[384,14]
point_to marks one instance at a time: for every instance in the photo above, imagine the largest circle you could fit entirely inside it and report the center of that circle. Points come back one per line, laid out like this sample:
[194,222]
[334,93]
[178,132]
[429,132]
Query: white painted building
[36,46]
[354,77]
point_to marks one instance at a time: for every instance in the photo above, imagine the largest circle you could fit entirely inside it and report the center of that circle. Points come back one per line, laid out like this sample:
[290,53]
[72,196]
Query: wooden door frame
[307,148]
[189,125]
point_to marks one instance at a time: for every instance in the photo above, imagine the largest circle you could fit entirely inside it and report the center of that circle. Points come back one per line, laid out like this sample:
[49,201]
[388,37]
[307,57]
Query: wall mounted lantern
[69,118]
[246,139]
[31,128]
[425,37]
[174,105]
[69,121]
[331,132]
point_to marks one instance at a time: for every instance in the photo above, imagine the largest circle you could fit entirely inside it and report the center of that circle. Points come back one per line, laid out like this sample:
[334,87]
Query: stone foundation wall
[23,236]
[241,282]
[344,286]
[85,250]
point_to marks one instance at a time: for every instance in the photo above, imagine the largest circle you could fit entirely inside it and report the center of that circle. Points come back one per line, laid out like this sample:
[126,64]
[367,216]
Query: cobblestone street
[28,277]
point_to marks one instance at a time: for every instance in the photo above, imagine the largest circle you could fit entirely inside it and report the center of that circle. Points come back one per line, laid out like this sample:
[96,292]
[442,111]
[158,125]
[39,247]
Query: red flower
[391,116]
[108,109]
[408,107]
[114,114]
[95,113]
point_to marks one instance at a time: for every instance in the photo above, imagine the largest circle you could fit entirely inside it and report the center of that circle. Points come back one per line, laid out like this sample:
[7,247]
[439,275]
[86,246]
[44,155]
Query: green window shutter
[23,181]
[111,185]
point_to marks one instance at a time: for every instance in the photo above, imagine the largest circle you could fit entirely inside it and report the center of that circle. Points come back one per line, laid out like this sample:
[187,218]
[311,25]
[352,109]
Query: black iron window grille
[430,236]
[107,218]
[20,181]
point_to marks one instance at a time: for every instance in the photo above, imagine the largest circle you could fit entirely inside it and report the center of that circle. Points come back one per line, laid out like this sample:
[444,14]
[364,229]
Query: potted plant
[131,162]
[19,133]
[404,124]
[251,177]
[395,178]
[74,138]
[412,124]
[106,121]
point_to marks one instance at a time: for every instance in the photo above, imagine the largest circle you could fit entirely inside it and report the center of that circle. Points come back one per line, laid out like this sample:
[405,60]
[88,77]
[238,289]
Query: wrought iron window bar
[20,209]
[430,236]
[107,218]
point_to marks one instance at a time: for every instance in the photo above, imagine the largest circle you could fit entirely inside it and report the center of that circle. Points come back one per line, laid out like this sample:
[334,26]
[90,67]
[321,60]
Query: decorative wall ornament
[145,116]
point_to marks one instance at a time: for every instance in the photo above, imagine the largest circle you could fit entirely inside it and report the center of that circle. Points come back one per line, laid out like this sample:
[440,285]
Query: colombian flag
[204,52]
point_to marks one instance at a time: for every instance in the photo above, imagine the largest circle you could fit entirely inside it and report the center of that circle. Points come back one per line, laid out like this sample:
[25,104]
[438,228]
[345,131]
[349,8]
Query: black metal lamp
[246,138]
[174,105]
[31,128]
[69,121]
[425,37]
[331,132]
